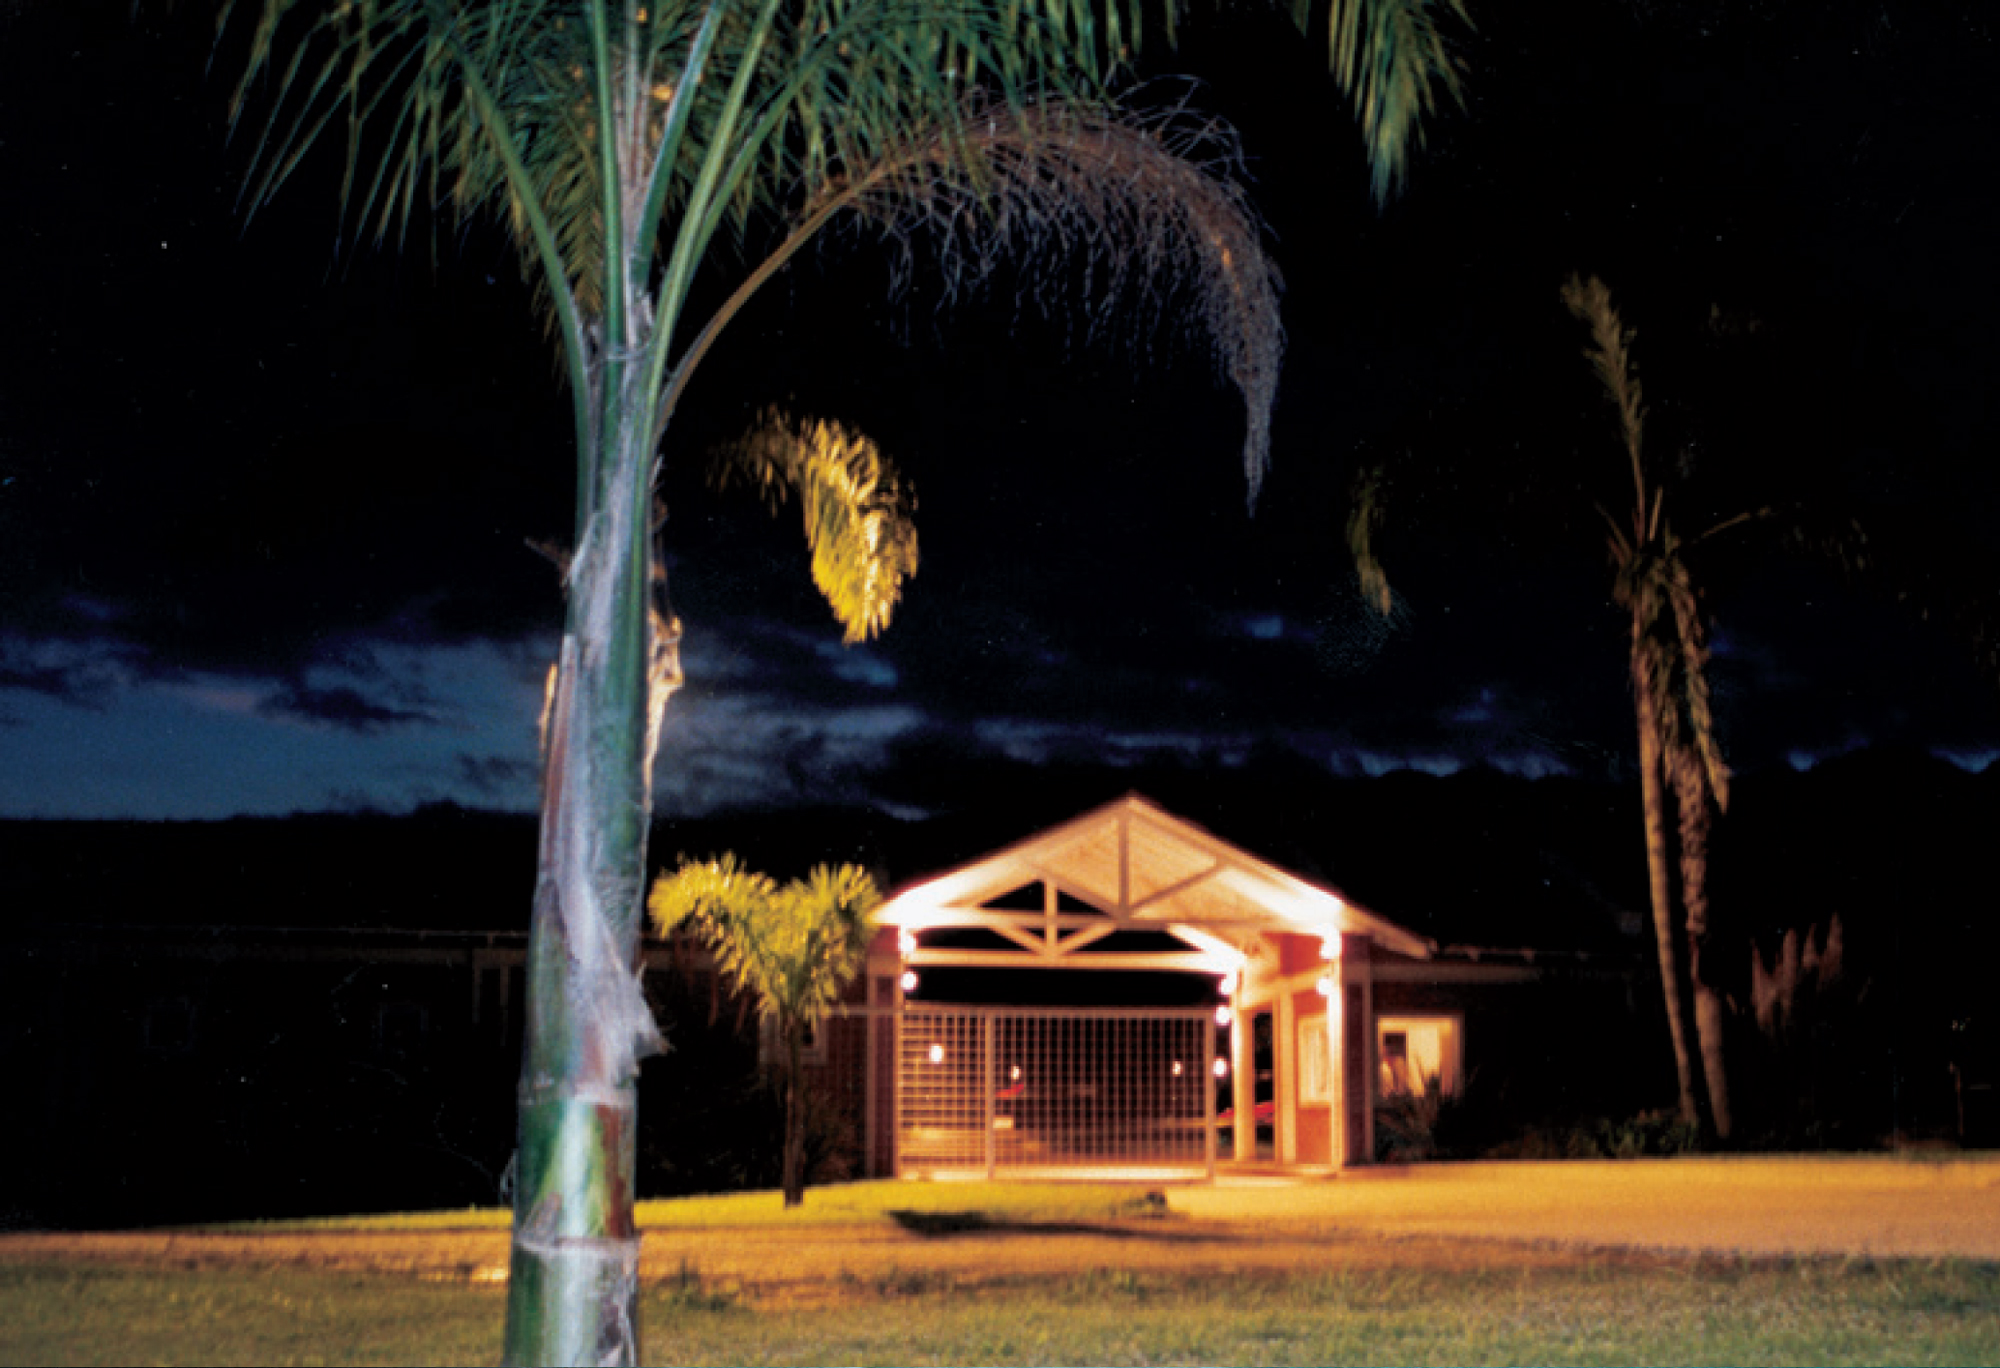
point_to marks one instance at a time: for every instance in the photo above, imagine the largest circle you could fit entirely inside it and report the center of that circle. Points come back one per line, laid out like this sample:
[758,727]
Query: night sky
[266,497]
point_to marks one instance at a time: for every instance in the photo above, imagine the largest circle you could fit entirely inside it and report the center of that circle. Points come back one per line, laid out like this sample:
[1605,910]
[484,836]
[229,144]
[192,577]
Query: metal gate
[1055,1092]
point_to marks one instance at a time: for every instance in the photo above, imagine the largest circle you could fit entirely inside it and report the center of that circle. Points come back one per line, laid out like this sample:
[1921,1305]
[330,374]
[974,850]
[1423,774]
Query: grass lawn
[971,1273]
[1706,1312]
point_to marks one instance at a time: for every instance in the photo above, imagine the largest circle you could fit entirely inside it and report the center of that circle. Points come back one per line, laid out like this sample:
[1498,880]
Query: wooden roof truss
[1124,868]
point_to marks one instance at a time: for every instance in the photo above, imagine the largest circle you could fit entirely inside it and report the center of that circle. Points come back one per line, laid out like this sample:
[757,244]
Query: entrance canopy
[1126,886]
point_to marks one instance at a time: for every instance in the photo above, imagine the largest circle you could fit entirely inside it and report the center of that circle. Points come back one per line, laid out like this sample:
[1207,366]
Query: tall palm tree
[616,139]
[790,948]
[1680,761]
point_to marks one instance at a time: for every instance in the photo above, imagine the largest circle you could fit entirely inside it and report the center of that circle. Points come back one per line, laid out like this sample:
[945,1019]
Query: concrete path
[1884,1207]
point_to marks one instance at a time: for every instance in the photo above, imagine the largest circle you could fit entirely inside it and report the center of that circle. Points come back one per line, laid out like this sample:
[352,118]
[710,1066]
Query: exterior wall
[1555,1037]
[1358,1007]
[1312,1119]
[1312,1079]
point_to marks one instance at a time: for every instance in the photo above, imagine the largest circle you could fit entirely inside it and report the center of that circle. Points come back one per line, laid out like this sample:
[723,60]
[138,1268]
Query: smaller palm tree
[790,948]
[1683,777]
[1680,760]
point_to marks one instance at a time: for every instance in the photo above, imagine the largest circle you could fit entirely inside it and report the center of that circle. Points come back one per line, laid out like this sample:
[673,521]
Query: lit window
[1412,1051]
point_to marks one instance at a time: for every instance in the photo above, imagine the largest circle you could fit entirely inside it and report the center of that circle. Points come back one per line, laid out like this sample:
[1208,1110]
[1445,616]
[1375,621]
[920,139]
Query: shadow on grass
[944,1224]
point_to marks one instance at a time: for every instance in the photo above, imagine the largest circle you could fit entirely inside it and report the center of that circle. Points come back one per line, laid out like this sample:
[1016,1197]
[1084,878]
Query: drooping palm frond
[1147,207]
[859,514]
[1394,63]
[1366,504]
[1610,353]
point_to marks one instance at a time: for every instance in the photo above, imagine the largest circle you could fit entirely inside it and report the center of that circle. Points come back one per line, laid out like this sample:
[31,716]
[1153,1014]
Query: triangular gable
[1145,868]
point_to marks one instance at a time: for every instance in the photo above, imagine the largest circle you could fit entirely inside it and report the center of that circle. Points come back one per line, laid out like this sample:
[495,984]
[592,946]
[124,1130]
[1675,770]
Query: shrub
[1406,1125]
[1433,1124]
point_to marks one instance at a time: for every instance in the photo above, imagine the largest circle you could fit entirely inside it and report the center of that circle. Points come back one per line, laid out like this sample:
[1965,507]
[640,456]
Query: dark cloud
[84,672]
[338,706]
[498,781]
[70,683]
[295,484]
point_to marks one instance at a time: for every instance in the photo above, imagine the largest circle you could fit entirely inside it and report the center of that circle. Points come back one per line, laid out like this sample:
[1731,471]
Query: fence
[1055,1092]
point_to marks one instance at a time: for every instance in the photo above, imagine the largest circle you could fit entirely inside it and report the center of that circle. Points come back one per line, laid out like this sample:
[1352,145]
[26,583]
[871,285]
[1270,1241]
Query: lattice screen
[1022,1090]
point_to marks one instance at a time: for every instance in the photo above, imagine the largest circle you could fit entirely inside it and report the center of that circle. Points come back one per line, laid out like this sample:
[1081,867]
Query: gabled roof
[1132,866]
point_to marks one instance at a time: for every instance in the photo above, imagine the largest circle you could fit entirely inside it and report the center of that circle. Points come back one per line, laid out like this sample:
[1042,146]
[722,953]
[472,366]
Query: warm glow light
[1227,984]
[1329,947]
[1177,1068]
[937,1054]
[909,980]
[1223,1016]
[906,942]
[1326,985]
[1014,1074]
[1222,1068]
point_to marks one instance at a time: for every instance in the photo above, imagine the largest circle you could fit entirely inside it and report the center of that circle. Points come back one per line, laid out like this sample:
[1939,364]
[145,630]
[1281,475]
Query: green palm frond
[703,892]
[792,947]
[859,514]
[824,927]
[476,105]
[1394,64]
[719,112]
[493,107]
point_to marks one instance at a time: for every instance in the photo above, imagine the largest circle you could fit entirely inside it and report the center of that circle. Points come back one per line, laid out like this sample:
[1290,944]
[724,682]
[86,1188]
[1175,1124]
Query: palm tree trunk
[1709,1026]
[795,1117]
[1708,1013]
[1653,790]
[573,1281]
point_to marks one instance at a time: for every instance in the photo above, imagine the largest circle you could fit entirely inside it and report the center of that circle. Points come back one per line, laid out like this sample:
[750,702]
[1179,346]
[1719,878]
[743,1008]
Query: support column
[1243,1085]
[1285,1075]
[1336,1053]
